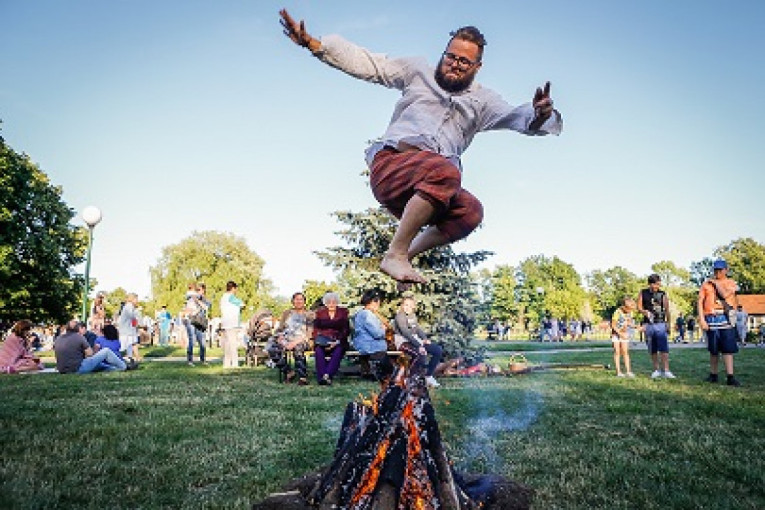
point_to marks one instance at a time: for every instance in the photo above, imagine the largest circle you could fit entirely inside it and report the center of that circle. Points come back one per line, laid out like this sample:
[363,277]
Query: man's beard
[453,85]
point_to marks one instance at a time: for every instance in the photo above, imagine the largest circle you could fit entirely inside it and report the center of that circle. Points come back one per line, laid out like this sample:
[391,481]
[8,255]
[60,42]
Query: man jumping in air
[415,169]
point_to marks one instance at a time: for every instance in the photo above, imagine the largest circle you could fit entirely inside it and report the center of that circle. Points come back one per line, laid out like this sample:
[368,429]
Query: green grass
[173,436]
[526,346]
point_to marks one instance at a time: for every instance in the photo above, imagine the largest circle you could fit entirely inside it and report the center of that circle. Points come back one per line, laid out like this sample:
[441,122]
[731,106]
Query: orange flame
[369,480]
[417,492]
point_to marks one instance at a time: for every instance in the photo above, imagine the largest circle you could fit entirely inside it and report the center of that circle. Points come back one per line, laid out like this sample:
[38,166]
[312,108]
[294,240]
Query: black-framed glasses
[462,62]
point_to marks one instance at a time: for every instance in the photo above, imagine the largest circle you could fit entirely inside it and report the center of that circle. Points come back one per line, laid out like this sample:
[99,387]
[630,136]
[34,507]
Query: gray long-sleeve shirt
[427,116]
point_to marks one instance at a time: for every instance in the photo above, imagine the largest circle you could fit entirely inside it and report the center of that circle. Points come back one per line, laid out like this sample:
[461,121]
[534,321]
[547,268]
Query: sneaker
[302,381]
[431,382]
[732,381]
[630,374]
[620,375]
[191,363]
[326,380]
[711,378]
[669,375]
[656,374]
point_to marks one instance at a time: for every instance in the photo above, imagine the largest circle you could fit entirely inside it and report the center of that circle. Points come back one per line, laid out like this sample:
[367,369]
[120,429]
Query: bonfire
[390,456]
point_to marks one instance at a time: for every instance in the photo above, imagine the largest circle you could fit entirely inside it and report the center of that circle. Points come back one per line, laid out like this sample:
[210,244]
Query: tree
[549,285]
[448,302]
[746,259]
[38,246]
[701,271]
[314,290]
[671,275]
[677,283]
[213,258]
[609,287]
[503,303]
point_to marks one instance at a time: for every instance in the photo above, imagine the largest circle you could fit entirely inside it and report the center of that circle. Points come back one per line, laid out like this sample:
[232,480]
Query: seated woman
[110,339]
[411,339]
[293,335]
[15,355]
[369,335]
[330,337]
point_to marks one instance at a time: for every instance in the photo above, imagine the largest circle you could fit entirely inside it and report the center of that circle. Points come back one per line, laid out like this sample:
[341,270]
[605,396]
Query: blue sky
[176,116]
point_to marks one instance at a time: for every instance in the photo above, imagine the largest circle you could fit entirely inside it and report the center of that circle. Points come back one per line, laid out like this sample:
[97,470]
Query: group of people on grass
[327,331]
[717,305]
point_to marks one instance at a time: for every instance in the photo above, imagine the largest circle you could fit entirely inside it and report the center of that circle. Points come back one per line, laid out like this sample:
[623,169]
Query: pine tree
[448,303]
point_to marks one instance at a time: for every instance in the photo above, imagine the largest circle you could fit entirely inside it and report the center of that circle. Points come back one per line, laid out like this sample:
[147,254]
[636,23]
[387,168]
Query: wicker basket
[518,363]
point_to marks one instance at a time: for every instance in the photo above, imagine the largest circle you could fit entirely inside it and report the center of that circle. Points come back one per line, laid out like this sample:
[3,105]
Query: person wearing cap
[653,304]
[716,308]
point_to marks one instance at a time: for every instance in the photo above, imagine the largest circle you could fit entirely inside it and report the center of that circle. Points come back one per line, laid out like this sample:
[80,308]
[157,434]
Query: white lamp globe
[91,215]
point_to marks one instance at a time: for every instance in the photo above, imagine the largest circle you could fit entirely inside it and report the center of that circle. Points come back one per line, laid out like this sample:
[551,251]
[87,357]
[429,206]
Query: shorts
[617,340]
[395,177]
[656,336]
[722,341]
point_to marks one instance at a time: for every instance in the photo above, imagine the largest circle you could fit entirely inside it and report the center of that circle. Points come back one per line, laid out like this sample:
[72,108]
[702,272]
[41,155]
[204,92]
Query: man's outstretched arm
[297,33]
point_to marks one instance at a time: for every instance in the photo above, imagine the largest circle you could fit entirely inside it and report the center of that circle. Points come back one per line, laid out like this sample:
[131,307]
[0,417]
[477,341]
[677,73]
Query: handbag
[199,319]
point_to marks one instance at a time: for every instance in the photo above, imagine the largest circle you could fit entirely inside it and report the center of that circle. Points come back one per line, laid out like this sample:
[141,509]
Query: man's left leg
[417,213]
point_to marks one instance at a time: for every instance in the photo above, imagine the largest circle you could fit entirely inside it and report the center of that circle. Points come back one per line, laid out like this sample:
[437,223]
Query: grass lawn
[174,436]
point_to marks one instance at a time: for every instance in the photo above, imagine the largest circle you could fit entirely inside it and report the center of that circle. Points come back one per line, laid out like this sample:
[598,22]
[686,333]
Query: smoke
[490,422]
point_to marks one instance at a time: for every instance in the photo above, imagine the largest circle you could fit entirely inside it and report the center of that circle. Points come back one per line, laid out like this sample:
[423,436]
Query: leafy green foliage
[213,258]
[38,246]
[677,283]
[609,287]
[503,304]
[549,285]
[746,259]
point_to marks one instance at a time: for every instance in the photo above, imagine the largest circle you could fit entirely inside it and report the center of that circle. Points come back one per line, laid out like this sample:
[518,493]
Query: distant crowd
[327,331]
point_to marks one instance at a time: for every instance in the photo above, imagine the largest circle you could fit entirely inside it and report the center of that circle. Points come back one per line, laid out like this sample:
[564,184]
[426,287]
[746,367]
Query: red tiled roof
[754,304]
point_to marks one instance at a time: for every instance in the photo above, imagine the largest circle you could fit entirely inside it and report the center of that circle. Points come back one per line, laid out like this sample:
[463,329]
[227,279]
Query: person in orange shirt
[716,306]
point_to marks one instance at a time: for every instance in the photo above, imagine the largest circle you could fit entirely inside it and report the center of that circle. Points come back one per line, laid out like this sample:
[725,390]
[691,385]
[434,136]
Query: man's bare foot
[399,268]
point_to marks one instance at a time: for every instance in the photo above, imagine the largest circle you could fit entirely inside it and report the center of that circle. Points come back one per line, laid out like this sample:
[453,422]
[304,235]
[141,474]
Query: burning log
[390,456]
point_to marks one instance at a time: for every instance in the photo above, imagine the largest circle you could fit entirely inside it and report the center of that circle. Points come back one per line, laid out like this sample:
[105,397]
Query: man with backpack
[717,316]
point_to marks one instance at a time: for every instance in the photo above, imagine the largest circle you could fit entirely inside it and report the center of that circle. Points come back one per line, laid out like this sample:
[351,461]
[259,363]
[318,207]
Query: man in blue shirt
[415,169]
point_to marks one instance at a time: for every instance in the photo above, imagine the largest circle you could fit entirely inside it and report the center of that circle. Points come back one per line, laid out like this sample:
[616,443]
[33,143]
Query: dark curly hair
[471,34]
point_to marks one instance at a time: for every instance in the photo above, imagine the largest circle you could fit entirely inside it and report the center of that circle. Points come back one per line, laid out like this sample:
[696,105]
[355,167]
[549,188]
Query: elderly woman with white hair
[331,328]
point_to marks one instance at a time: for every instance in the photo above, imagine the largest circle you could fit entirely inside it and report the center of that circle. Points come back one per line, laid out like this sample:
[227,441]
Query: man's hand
[296,31]
[543,107]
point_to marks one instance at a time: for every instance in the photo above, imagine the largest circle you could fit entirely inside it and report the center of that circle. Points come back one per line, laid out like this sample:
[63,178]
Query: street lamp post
[92,216]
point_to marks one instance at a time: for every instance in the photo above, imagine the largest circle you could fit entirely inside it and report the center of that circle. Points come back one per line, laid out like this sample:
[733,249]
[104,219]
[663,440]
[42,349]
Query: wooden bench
[349,355]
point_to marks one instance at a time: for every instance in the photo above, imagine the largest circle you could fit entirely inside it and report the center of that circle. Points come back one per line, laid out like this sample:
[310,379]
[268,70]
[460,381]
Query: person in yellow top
[621,323]
[717,317]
